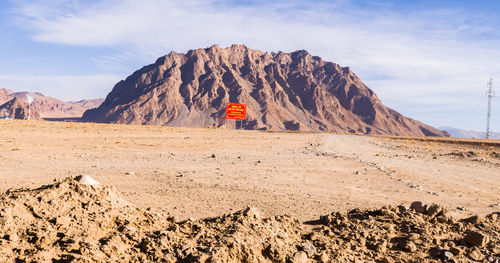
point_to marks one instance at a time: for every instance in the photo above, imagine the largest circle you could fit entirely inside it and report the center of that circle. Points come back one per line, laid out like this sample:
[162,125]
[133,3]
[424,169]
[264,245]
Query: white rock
[86,180]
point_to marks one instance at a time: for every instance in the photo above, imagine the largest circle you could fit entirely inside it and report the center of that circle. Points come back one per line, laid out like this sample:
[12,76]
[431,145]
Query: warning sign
[236,111]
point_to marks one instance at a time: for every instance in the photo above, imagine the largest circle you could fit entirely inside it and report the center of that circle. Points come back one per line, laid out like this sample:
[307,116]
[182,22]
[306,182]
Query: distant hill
[459,133]
[18,109]
[283,91]
[49,107]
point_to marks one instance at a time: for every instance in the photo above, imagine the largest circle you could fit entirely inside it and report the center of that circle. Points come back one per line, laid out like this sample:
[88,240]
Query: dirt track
[208,172]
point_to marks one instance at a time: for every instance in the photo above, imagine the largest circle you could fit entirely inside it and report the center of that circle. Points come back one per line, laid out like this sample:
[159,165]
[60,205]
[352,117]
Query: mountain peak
[283,91]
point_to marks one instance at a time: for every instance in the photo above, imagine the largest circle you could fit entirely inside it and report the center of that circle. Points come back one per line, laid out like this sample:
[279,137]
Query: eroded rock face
[283,91]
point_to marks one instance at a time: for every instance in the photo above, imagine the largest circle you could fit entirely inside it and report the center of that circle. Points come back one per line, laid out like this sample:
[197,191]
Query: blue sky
[429,60]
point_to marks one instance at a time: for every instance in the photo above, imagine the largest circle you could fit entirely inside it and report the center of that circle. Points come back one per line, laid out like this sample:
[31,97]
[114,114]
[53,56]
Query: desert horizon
[303,131]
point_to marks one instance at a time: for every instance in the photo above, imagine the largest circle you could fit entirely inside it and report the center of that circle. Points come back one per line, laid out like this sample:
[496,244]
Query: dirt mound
[68,221]
[18,109]
[283,91]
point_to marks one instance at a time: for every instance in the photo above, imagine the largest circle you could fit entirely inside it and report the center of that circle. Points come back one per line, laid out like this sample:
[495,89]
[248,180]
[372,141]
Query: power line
[490,94]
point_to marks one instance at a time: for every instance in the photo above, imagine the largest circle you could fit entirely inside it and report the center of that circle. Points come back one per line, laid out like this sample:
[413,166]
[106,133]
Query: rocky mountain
[460,133]
[283,91]
[18,109]
[49,107]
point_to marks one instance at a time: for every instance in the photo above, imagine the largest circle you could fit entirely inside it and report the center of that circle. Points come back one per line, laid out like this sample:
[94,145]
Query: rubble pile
[88,222]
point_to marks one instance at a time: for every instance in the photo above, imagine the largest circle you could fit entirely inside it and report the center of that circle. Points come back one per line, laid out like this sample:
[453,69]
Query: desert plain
[204,172]
[225,195]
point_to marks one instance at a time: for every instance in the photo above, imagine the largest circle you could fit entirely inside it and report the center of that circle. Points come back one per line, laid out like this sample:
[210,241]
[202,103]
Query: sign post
[236,111]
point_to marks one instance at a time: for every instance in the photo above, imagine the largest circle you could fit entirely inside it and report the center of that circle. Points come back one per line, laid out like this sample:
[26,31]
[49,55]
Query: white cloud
[66,87]
[415,56]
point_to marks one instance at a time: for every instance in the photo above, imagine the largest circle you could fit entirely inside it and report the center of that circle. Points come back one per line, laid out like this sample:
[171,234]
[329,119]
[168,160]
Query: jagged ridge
[283,91]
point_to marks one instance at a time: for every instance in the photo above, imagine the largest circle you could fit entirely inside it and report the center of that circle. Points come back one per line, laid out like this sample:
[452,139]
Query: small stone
[461,208]
[314,236]
[433,210]
[413,236]
[252,212]
[309,249]
[476,238]
[401,209]
[86,180]
[493,217]
[300,257]
[381,247]
[475,254]
[213,155]
[389,213]
[436,251]
[457,251]
[324,258]
[446,255]
[130,173]
[442,219]
[473,220]
[418,206]
[410,246]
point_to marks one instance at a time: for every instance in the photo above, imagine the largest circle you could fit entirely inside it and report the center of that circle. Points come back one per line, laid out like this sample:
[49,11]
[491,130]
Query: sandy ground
[208,172]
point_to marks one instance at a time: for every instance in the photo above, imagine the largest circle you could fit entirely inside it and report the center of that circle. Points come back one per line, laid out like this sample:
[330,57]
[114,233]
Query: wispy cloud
[404,56]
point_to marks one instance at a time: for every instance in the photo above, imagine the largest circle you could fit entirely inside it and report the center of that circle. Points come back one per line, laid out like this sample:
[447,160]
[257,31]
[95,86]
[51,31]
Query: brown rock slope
[283,91]
[49,107]
[18,109]
[67,221]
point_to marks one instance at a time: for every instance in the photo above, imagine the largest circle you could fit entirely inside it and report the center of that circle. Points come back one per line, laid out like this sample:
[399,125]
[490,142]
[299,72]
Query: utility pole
[490,94]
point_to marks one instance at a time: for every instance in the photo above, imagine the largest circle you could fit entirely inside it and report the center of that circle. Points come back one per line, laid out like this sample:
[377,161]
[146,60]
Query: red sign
[236,111]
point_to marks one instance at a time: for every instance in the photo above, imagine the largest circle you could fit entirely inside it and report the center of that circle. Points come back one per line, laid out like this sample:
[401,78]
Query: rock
[475,254]
[381,247]
[309,249]
[401,209]
[413,236]
[130,173]
[86,180]
[213,155]
[418,207]
[442,219]
[461,208]
[324,258]
[493,217]
[387,260]
[457,251]
[433,210]
[473,220]
[410,246]
[436,251]
[476,238]
[252,212]
[388,213]
[299,257]
[446,255]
